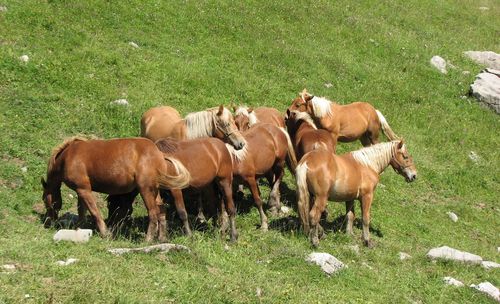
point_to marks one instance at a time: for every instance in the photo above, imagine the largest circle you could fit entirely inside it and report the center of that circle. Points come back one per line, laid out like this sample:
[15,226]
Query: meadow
[198,54]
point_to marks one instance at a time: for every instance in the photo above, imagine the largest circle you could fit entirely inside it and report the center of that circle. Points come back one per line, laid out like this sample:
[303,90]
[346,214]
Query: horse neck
[376,157]
[199,124]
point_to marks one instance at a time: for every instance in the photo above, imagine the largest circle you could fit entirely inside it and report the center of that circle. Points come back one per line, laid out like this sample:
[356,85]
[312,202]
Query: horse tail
[385,127]
[291,158]
[303,204]
[179,181]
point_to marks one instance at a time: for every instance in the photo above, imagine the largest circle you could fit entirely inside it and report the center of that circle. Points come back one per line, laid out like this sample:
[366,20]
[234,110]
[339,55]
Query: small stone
[465,73]
[24,58]
[452,216]
[226,247]
[328,85]
[27,296]
[122,102]
[77,236]
[473,156]
[258,292]
[133,44]
[452,281]
[24,169]
[3,8]
[489,289]
[483,8]
[489,265]
[67,262]
[452,254]
[328,263]
[404,256]
[439,63]
[284,210]
[9,267]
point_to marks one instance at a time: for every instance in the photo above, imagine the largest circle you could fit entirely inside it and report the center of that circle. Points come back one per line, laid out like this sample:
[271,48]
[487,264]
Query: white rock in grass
[452,254]
[488,289]
[452,216]
[488,58]
[133,44]
[284,210]
[486,89]
[3,8]
[258,292]
[489,265]
[404,256]
[122,102]
[439,63]
[328,85]
[9,267]
[67,262]
[328,263]
[473,156]
[24,58]
[483,8]
[24,169]
[452,281]
[77,236]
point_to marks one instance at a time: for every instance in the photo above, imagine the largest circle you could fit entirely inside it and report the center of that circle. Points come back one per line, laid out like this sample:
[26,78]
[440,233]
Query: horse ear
[44,183]
[401,143]
[250,110]
[221,110]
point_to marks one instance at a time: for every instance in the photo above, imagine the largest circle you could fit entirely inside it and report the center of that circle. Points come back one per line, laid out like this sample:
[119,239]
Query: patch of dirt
[17,161]
[39,207]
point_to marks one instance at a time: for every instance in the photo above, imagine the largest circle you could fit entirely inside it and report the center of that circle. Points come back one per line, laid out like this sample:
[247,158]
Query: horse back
[354,119]
[270,115]
[160,122]
[312,139]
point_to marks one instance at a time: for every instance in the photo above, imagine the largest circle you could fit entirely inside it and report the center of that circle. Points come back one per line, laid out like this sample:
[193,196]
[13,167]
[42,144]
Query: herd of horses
[210,154]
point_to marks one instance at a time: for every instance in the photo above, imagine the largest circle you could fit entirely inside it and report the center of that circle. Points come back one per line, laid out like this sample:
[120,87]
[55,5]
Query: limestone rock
[452,281]
[3,8]
[8,267]
[133,44]
[77,236]
[121,102]
[452,254]
[489,265]
[486,88]
[439,63]
[328,263]
[404,256]
[452,216]
[487,58]
[165,247]
[24,58]
[67,262]
[489,289]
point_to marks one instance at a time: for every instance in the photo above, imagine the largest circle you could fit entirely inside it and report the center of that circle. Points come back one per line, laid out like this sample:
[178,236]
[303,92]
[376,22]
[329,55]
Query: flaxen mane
[321,107]
[377,156]
[252,118]
[237,155]
[201,124]
[305,117]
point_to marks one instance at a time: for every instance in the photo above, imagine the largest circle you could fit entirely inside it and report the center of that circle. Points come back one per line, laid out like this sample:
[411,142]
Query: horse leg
[181,210]
[314,216]
[162,219]
[366,202]
[349,214]
[274,196]
[199,203]
[225,183]
[81,212]
[87,198]
[254,188]
[149,196]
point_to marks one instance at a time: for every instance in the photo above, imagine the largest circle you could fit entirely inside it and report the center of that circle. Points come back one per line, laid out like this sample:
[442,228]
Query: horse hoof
[273,211]
[369,244]
[264,228]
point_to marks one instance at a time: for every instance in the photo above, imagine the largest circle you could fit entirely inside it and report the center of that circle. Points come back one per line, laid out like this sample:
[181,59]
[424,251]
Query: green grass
[198,54]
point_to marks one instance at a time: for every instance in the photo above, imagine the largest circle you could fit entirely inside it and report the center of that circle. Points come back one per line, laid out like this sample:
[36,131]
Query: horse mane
[321,106]
[377,156]
[252,118]
[200,124]
[305,117]
[167,145]
[237,155]
[60,148]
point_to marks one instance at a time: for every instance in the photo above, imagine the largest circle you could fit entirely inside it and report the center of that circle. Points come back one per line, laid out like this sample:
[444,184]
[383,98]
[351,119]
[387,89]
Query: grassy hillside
[198,54]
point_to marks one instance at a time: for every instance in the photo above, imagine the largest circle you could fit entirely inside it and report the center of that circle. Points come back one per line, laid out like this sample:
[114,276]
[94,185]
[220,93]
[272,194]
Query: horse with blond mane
[346,123]
[115,167]
[324,176]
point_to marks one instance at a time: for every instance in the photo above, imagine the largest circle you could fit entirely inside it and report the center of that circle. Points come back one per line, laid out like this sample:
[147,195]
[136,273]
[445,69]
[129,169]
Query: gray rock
[439,63]
[489,289]
[404,256]
[486,89]
[165,247]
[489,265]
[488,58]
[24,58]
[328,263]
[452,281]
[452,215]
[77,236]
[133,44]
[67,262]
[448,253]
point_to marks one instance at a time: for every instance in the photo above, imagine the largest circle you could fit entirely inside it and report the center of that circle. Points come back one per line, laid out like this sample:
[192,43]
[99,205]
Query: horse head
[402,162]
[53,203]
[225,128]
[301,104]
[242,119]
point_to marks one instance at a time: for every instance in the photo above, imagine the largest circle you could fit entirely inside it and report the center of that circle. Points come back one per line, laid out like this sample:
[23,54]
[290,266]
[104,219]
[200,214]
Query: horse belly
[341,191]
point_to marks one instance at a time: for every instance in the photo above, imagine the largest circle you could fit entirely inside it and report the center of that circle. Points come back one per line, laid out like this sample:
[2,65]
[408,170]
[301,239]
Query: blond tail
[179,181]
[385,127]
[303,204]
[291,159]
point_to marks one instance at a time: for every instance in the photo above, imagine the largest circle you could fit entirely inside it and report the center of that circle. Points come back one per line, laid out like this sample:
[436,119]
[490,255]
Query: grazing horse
[208,161]
[305,135]
[264,155]
[352,176]
[115,166]
[346,123]
[162,122]
[245,117]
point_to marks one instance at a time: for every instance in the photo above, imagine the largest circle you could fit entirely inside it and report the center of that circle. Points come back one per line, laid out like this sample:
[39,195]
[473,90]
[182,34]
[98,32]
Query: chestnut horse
[264,155]
[245,117]
[305,135]
[208,161]
[346,123]
[352,176]
[115,166]
[162,122]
